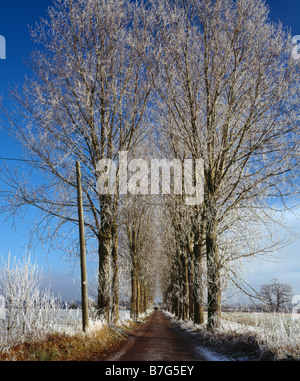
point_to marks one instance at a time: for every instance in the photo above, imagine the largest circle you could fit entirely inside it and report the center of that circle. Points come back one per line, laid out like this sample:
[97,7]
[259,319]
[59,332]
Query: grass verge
[95,345]
[252,337]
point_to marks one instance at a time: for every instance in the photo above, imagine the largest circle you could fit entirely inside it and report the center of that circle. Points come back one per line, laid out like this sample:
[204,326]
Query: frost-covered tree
[86,100]
[30,310]
[229,89]
[139,237]
[275,295]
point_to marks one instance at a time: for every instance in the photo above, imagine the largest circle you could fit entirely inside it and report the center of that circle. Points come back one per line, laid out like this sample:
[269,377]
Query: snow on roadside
[124,315]
[209,355]
[192,330]
[268,336]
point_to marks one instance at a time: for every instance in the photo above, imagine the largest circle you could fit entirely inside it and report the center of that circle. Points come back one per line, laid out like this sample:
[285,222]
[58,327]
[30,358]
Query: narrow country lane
[156,340]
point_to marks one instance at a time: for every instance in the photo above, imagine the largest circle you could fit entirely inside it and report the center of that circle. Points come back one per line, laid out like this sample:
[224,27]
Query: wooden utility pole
[84,295]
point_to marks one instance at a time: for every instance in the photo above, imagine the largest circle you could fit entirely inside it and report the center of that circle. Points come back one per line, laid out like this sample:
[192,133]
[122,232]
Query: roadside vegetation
[35,327]
[95,345]
[262,336]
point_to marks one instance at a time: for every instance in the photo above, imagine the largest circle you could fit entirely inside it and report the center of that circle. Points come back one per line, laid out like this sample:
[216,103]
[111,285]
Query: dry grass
[254,319]
[248,335]
[95,345]
[277,333]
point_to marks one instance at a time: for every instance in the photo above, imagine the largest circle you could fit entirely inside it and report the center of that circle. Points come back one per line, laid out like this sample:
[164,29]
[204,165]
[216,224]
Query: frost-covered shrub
[30,311]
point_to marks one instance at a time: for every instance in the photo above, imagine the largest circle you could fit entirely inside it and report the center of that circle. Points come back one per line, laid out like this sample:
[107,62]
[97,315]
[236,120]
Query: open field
[258,335]
[280,331]
[255,319]
[62,338]
[41,324]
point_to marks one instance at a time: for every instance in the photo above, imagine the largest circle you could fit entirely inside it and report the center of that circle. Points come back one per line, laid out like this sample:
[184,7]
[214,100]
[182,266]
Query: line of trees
[226,88]
[86,100]
[198,79]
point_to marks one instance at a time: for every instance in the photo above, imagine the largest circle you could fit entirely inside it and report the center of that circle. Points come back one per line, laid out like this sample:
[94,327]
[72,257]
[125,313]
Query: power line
[14,159]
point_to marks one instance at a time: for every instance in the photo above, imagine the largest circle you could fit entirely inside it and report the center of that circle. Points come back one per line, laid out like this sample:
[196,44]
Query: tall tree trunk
[138,298]
[214,286]
[213,268]
[104,252]
[191,275]
[174,296]
[184,284]
[133,293]
[142,298]
[198,285]
[145,299]
[134,274]
[115,276]
[104,276]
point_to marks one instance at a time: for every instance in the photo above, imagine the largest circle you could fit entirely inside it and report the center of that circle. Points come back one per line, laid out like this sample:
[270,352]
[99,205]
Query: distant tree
[275,295]
[73,305]
[139,234]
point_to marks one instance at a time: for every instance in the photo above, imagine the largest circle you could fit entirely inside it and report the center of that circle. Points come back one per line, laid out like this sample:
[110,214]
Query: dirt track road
[156,340]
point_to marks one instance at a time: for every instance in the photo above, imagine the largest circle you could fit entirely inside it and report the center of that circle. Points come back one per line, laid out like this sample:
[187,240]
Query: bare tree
[275,295]
[86,100]
[228,87]
[139,236]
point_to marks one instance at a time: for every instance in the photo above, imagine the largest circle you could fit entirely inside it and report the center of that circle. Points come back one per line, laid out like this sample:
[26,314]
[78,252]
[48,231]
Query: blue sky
[15,16]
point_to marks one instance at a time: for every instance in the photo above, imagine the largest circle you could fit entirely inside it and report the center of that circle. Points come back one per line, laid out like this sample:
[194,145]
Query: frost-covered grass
[34,326]
[64,339]
[277,333]
[96,344]
[40,324]
[61,322]
[254,336]
[29,312]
